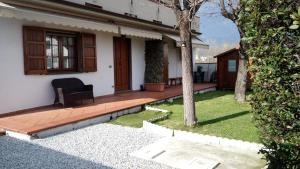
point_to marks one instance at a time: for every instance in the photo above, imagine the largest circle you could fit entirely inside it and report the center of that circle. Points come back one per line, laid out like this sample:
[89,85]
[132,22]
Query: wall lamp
[183,44]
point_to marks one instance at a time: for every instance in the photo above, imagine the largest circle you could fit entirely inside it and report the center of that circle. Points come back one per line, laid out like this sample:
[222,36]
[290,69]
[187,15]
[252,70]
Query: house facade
[101,42]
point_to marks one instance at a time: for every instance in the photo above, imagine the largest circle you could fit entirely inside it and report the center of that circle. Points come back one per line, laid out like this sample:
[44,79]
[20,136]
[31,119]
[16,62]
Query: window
[231,65]
[60,52]
[47,51]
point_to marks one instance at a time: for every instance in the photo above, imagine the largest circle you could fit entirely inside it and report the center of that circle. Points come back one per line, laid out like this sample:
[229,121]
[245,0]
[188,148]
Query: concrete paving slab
[185,154]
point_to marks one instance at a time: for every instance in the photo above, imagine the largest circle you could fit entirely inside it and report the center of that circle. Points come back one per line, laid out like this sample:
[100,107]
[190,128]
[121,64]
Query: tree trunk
[241,81]
[190,118]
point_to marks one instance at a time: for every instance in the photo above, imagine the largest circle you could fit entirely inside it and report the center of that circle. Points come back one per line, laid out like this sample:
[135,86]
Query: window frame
[228,66]
[35,51]
[60,35]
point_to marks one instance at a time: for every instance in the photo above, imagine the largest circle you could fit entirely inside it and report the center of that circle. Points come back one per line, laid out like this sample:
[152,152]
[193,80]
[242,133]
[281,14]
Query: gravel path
[100,146]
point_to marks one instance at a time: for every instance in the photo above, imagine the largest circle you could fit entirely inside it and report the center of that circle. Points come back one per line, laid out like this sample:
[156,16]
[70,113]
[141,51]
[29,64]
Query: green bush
[154,61]
[296,17]
[274,50]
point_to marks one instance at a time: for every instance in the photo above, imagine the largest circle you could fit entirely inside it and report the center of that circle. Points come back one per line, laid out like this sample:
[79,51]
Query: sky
[220,33]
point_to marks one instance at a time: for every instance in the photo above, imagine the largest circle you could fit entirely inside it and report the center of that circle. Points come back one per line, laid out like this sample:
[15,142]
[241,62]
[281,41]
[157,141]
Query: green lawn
[218,114]
[136,119]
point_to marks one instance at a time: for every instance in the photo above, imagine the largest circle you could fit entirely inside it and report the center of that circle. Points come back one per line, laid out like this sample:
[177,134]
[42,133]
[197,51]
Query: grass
[217,112]
[136,119]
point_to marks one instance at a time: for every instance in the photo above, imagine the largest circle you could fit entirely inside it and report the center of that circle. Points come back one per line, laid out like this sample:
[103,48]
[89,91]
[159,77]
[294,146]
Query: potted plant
[154,66]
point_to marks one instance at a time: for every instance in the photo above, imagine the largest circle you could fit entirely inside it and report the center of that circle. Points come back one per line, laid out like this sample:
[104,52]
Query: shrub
[274,49]
[154,61]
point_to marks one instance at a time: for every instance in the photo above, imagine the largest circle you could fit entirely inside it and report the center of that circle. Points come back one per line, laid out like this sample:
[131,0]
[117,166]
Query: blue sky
[217,30]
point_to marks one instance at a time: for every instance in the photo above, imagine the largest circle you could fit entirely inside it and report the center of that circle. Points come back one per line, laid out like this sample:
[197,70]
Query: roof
[195,41]
[228,51]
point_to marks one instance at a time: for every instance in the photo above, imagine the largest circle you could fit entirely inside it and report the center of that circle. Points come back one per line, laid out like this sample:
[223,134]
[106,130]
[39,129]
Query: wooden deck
[43,118]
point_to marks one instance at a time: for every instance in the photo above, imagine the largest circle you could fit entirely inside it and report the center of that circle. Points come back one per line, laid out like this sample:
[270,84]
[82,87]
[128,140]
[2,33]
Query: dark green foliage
[274,49]
[296,17]
[154,61]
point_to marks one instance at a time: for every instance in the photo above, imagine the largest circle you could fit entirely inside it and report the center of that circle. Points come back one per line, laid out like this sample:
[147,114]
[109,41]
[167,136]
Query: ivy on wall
[154,61]
[274,49]
[296,17]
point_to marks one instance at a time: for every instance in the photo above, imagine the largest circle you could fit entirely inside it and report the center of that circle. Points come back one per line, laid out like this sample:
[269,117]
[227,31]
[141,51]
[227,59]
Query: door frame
[129,63]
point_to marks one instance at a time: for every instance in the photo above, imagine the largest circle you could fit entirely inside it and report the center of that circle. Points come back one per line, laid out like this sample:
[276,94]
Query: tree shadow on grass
[22,154]
[199,97]
[223,118]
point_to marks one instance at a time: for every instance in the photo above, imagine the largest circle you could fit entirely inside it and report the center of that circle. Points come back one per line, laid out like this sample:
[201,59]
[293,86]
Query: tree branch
[190,6]
[176,5]
[229,15]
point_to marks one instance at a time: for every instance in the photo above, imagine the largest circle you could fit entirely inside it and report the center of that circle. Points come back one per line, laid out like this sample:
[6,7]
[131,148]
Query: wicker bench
[70,90]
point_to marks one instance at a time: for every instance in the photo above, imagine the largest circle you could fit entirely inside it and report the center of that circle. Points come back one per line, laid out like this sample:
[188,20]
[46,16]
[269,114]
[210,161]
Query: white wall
[138,62]
[143,9]
[175,67]
[174,56]
[19,91]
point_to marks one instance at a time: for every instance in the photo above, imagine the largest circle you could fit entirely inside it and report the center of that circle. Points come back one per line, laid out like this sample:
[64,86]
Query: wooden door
[166,64]
[122,60]
[231,75]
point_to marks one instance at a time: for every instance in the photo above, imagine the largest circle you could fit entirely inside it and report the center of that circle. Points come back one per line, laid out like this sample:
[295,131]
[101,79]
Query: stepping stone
[167,151]
[185,154]
[203,163]
[149,153]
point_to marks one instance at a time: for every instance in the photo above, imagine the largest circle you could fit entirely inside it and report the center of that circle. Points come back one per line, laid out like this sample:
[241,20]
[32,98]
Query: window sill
[60,72]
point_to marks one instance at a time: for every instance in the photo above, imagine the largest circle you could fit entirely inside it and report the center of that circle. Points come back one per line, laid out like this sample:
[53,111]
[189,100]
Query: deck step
[2,132]
[70,126]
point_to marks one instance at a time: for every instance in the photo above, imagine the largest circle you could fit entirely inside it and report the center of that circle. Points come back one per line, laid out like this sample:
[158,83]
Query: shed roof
[228,51]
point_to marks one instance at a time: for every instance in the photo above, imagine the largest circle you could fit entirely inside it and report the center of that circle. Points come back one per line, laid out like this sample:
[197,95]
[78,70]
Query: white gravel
[99,146]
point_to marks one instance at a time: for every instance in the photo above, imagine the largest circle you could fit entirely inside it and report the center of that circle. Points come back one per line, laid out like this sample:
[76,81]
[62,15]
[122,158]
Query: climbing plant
[154,61]
[296,17]
[272,41]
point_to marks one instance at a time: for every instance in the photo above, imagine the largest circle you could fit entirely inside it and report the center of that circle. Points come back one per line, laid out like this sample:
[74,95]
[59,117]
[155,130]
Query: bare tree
[231,9]
[185,11]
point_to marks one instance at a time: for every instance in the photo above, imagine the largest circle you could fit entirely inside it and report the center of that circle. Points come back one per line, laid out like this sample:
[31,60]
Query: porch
[40,119]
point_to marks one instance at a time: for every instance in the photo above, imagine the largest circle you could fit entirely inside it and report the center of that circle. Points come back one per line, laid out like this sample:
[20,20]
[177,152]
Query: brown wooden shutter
[89,56]
[34,50]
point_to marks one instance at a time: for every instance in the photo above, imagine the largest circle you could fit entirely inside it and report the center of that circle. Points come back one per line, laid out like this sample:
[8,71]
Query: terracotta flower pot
[155,87]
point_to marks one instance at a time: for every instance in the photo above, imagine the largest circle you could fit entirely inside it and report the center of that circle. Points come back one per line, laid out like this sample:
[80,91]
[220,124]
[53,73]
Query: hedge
[273,46]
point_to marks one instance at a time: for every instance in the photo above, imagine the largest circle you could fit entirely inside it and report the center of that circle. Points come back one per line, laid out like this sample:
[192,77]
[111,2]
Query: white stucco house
[97,41]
